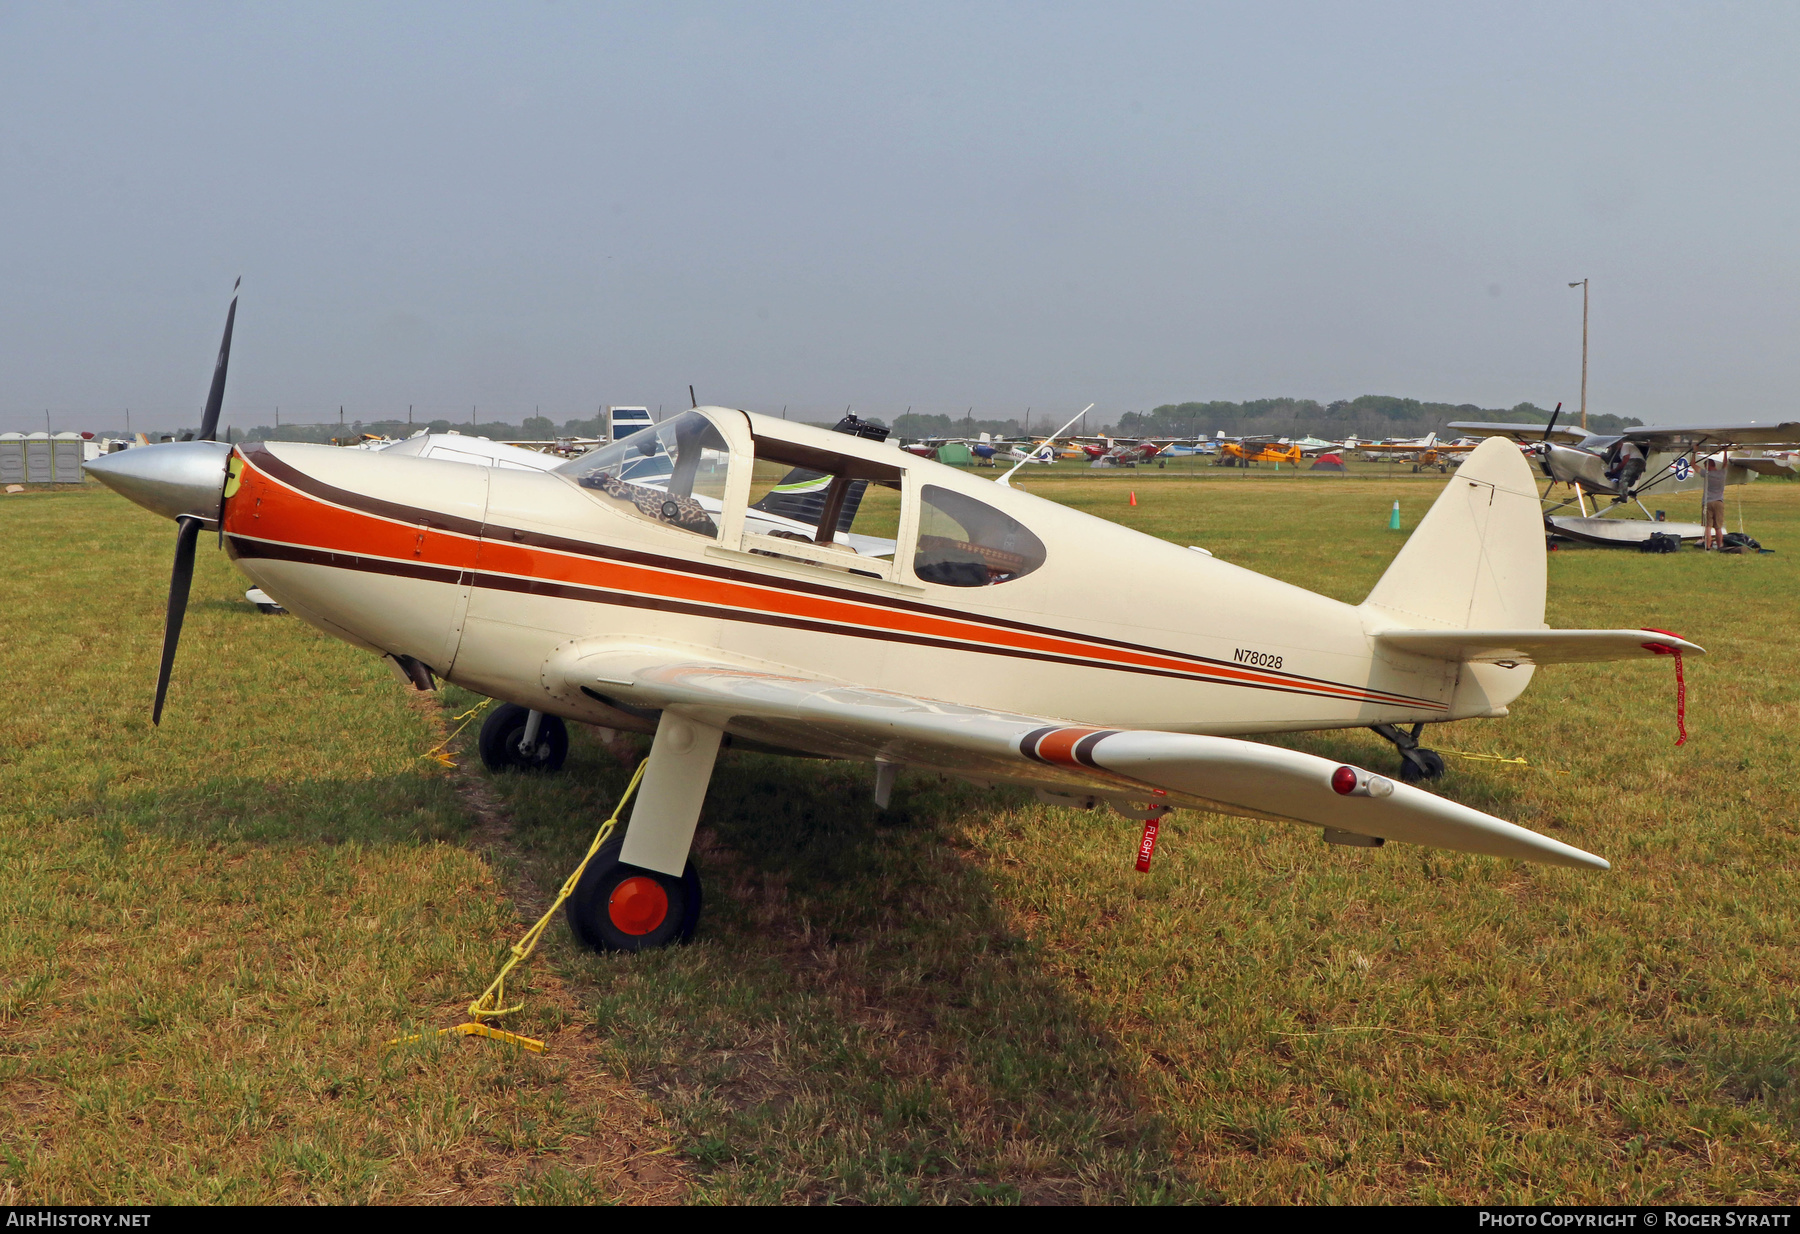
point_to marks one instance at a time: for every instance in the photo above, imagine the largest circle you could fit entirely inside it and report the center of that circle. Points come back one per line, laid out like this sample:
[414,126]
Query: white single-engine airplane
[672,607]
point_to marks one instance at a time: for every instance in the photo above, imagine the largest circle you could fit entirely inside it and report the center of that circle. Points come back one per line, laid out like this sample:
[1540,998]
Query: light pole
[1583,284]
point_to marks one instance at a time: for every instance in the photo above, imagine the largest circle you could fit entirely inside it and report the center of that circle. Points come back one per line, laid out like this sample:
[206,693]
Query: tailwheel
[616,907]
[1421,764]
[503,745]
[1416,762]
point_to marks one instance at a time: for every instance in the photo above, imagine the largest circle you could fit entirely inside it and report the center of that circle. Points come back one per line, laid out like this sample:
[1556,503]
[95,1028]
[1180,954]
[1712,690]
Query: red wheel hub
[638,905]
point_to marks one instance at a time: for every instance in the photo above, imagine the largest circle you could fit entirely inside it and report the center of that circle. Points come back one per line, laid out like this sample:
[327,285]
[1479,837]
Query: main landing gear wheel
[504,733]
[1416,762]
[616,907]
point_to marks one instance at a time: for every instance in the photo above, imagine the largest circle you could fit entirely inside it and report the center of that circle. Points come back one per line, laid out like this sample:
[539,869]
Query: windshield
[671,473]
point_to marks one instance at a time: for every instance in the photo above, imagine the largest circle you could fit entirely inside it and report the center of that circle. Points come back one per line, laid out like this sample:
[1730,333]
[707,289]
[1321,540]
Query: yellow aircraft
[1240,456]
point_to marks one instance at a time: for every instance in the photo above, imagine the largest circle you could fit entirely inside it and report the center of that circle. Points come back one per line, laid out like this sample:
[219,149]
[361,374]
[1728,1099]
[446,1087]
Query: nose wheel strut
[1416,762]
[519,739]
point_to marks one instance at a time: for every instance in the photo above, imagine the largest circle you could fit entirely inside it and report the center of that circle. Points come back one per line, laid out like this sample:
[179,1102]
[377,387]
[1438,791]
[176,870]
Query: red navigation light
[1344,780]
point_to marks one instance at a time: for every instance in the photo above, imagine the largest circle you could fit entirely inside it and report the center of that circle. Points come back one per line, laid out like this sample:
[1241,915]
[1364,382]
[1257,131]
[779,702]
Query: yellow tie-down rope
[1499,758]
[436,753]
[492,1003]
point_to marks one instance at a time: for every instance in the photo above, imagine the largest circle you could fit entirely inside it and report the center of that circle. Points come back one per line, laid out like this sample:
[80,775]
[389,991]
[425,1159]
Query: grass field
[211,929]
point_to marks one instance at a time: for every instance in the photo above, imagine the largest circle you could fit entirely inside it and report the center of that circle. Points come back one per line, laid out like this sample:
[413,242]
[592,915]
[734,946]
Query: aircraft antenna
[691,399]
[1005,481]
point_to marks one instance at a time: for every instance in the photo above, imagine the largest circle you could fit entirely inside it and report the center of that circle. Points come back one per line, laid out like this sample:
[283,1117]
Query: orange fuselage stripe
[265,508]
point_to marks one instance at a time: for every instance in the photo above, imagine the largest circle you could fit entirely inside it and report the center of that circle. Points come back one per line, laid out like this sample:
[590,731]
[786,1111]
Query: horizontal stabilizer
[1535,646]
[1763,465]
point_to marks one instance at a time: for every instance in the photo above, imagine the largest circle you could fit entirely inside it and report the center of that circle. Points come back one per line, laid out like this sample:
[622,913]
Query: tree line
[1370,416]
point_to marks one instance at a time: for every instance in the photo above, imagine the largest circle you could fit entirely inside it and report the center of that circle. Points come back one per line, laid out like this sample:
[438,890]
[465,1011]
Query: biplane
[954,625]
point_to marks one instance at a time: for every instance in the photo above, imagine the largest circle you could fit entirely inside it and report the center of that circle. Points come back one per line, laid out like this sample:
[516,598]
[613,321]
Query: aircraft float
[989,634]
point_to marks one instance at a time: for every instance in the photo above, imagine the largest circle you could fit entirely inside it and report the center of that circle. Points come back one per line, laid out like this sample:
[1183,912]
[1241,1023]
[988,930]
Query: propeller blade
[180,579]
[1548,428]
[215,398]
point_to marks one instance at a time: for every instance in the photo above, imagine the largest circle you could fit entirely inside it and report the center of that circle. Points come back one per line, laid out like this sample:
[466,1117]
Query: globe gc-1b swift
[906,614]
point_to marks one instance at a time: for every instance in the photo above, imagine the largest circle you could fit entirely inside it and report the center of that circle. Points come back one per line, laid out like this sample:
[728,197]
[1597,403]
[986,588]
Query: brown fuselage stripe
[500,539]
[240,546]
[501,535]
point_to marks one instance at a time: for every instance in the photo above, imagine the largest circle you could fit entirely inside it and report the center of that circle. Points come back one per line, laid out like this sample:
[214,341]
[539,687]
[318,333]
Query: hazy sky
[564,205]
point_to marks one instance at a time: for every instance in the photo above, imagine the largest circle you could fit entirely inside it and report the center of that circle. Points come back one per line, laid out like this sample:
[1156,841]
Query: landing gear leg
[642,892]
[1416,762]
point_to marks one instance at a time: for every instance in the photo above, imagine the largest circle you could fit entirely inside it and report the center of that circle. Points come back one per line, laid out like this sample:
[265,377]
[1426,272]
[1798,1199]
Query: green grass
[971,997]
[208,931]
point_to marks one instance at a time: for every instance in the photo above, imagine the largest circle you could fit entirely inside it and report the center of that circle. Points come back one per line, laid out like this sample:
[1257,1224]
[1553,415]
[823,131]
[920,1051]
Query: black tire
[505,728]
[1433,768]
[601,919]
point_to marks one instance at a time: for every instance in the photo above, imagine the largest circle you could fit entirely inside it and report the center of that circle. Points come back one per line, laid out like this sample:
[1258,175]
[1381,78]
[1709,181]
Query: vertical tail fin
[1477,559]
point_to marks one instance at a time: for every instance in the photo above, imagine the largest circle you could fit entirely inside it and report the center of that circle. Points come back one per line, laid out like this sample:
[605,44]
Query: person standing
[1630,464]
[1712,499]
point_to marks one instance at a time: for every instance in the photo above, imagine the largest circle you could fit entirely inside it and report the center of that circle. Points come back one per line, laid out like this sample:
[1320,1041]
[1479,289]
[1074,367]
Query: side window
[823,509]
[673,473]
[967,543]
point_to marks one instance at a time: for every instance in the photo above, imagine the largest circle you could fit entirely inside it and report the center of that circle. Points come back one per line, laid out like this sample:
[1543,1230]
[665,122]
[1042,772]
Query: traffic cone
[1134,497]
[1394,518]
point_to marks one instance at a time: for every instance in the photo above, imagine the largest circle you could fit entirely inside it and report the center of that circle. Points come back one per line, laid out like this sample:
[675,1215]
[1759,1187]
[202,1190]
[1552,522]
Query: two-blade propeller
[181,577]
[1544,449]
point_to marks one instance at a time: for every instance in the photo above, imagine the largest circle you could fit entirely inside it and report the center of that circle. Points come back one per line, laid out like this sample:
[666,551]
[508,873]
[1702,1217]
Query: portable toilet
[956,454]
[65,458]
[12,458]
[37,458]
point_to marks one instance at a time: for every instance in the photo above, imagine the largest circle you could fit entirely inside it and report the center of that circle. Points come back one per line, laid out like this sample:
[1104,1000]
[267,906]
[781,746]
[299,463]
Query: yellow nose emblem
[234,471]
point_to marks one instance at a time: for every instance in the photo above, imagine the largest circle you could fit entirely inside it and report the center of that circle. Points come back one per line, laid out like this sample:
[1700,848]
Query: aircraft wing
[1218,774]
[1767,433]
[1536,646]
[1525,432]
